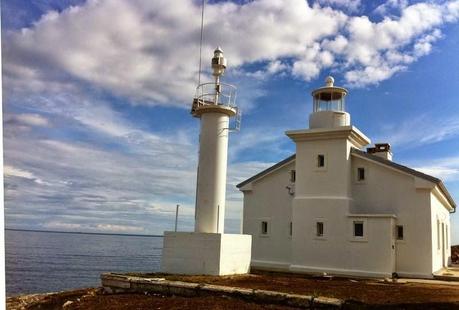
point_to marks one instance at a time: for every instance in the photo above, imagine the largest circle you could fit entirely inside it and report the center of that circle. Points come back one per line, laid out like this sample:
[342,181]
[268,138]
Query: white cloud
[386,7]
[419,131]
[371,74]
[12,171]
[351,5]
[237,173]
[119,228]
[149,56]
[32,119]
[445,173]
[79,185]
[276,66]
[445,168]
[62,226]
[150,53]
[337,45]
[257,139]
[376,51]
[25,121]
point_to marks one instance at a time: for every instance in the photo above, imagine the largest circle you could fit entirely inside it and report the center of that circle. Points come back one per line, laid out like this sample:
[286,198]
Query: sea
[39,262]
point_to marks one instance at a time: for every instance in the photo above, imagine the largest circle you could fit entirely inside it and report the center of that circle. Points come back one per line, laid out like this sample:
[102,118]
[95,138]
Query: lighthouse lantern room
[329,106]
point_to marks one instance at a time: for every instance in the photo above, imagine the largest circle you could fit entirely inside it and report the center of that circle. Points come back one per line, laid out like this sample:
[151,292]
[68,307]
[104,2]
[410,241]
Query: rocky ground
[358,293]
[95,299]
[366,291]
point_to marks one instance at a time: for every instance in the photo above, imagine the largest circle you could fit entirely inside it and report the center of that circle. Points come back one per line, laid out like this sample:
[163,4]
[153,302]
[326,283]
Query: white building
[333,207]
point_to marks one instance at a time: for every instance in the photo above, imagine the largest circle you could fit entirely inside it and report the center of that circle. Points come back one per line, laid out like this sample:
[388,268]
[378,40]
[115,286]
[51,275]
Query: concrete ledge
[338,272]
[453,278]
[115,283]
[270,265]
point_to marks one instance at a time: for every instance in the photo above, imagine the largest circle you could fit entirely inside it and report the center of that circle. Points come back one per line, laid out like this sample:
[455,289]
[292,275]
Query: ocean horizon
[49,261]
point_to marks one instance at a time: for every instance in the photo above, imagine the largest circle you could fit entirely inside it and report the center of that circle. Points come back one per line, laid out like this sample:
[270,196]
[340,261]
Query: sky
[98,135]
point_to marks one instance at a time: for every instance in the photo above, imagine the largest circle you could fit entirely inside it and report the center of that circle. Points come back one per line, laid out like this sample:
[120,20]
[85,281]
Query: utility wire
[200,43]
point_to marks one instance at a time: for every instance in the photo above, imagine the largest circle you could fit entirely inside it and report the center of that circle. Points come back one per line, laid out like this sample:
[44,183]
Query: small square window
[358,229]
[399,232]
[320,160]
[319,229]
[264,228]
[292,176]
[360,174]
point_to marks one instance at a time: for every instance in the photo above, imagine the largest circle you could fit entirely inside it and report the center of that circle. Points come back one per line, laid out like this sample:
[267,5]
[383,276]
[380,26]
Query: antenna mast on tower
[217,93]
[200,42]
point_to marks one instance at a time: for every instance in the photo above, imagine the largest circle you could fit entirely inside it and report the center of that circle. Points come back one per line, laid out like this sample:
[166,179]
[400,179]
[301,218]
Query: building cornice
[351,133]
[372,215]
[214,108]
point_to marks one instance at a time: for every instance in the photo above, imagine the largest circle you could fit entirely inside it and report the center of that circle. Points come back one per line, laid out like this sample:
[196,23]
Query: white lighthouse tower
[214,105]
[208,250]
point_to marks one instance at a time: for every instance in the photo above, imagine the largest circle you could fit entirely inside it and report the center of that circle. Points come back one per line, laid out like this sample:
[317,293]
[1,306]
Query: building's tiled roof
[375,158]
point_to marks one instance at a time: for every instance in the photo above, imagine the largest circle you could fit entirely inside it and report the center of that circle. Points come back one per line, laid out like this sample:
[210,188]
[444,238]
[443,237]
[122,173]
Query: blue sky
[97,130]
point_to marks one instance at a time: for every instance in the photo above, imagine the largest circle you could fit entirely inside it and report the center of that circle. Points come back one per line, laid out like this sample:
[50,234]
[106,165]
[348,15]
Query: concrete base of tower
[206,253]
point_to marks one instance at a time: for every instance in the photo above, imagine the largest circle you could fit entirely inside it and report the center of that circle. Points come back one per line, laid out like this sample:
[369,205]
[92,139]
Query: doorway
[443,246]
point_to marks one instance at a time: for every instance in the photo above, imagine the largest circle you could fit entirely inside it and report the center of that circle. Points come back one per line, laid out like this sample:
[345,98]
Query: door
[443,246]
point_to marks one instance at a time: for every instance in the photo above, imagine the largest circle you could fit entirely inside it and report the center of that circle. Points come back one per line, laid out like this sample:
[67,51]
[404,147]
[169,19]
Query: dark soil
[140,302]
[361,290]
[94,299]
[366,293]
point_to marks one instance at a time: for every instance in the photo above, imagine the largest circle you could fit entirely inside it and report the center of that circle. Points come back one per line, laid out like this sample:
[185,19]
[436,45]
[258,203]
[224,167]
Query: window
[358,229]
[360,174]
[319,229]
[291,229]
[264,228]
[292,176]
[320,160]
[399,232]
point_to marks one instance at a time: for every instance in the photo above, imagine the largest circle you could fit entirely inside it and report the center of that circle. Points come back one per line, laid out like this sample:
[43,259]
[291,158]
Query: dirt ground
[367,291]
[140,302]
[94,299]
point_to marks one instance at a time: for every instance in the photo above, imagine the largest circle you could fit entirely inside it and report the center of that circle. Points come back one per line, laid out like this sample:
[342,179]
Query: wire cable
[200,43]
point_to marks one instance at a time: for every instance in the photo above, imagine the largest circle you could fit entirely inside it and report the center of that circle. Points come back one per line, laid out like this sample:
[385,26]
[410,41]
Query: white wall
[211,183]
[330,181]
[440,214]
[334,196]
[269,200]
[235,254]
[389,191]
[338,251]
[377,252]
[205,253]
[325,194]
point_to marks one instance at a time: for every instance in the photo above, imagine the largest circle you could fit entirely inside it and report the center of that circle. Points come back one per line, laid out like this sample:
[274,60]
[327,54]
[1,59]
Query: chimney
[381,150]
